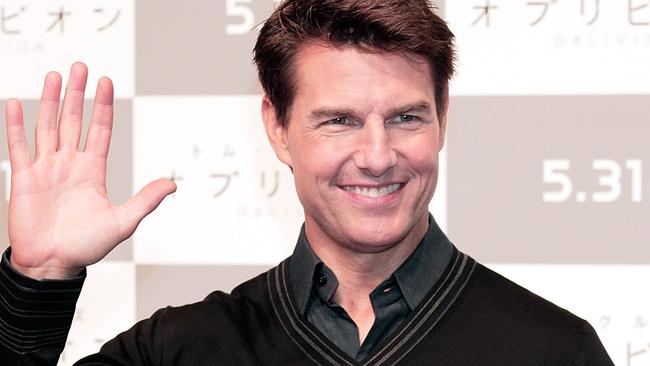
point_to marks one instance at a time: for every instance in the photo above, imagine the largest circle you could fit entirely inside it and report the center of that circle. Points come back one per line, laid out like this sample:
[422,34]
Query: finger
[18,150]
[101,121]
[48,110]
[73,105]
[137,207]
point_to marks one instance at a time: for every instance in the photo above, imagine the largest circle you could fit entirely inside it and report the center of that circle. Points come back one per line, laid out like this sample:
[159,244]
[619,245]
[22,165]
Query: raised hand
[60,218]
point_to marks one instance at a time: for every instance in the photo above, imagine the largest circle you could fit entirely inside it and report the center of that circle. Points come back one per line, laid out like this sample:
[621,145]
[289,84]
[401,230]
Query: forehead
[327,71]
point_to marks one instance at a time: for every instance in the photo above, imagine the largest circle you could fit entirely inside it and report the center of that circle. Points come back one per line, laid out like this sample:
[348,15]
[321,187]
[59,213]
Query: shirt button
[321,279]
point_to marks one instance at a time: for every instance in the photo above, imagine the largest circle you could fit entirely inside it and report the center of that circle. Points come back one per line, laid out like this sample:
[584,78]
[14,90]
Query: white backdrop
[544,89]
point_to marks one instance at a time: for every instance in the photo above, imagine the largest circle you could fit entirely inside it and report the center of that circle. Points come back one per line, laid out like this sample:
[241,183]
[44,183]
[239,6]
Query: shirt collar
[424,267]
[302,267]
[415,277]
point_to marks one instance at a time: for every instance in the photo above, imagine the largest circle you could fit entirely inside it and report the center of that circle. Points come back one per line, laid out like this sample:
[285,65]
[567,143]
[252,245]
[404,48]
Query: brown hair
[394,26]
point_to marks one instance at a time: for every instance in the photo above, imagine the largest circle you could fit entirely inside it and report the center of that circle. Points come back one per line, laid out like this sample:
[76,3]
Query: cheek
[424,165]
[423,157]
[318,162]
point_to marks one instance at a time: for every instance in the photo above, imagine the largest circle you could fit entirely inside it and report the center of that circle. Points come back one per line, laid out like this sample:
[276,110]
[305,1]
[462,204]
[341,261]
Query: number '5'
[241,9]
[551,174]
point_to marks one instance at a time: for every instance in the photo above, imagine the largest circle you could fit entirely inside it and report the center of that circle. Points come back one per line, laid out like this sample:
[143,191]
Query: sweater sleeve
[35,316]
[592,352]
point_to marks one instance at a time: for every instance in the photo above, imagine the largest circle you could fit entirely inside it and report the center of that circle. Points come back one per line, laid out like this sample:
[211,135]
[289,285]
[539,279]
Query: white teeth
[373,192]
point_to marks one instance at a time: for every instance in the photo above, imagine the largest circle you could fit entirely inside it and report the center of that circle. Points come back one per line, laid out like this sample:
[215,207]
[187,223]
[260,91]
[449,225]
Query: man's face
[363,139]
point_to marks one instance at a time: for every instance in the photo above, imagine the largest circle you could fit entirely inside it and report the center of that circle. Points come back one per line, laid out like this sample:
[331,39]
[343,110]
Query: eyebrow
[331,112]
[422,107]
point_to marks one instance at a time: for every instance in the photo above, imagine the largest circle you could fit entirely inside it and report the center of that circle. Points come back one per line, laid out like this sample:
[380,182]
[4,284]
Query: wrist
[46,272]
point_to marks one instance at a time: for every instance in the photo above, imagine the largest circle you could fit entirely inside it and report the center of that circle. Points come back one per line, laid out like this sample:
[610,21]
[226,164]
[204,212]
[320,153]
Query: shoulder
[249,296]
[503,299]
[200,333]
[220,321]
[501,323]
[497,312]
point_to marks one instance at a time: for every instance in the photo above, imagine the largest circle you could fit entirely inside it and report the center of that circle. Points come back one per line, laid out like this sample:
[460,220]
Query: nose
[375,153]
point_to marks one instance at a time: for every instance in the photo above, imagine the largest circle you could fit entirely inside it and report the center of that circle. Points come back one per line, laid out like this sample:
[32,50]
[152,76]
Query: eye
[339,121]
[404,118]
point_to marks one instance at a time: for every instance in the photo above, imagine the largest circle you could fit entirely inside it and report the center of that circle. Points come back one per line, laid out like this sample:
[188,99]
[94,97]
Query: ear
[442,119]
[276,132]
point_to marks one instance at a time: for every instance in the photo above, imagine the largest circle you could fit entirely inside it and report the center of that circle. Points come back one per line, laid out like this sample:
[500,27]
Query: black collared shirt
[314,285]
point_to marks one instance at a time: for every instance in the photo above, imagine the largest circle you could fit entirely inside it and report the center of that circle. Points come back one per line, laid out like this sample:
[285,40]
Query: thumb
[131,212]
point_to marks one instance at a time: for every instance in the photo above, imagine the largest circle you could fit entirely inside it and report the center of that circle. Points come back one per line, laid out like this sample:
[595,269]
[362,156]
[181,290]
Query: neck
[360,271]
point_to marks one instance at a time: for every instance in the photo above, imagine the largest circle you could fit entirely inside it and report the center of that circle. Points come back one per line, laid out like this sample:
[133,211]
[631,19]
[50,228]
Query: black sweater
[472,316]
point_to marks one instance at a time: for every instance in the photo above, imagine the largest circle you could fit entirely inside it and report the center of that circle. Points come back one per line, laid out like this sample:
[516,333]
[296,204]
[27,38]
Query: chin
[376,239]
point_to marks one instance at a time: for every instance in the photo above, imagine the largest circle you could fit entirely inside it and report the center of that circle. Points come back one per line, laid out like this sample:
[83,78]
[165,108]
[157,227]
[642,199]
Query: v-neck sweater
[471,316]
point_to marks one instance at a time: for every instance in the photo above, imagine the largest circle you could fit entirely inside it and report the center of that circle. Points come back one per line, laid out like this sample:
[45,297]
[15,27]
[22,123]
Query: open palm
[60,217]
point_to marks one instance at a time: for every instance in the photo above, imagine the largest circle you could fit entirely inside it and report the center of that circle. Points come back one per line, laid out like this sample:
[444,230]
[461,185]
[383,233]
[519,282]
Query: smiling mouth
[373,192]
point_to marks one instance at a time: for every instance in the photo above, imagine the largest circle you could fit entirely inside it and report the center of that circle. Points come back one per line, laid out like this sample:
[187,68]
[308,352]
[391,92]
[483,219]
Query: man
[355,104]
